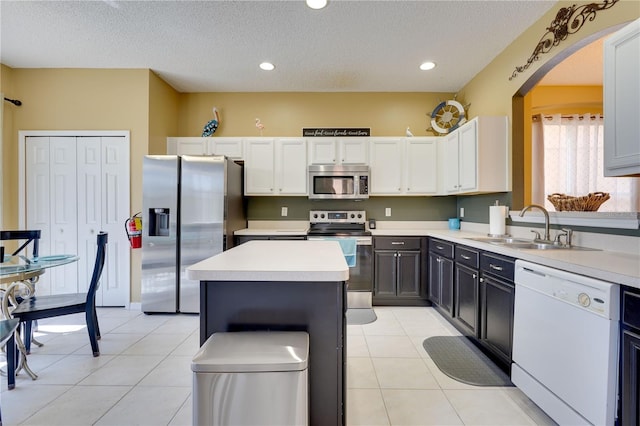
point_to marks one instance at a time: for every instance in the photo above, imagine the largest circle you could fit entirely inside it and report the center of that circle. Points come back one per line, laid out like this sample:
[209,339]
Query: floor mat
[360,316]
[459,359]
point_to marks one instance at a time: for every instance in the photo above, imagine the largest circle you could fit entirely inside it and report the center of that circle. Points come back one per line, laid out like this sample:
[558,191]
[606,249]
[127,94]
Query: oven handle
[360,241]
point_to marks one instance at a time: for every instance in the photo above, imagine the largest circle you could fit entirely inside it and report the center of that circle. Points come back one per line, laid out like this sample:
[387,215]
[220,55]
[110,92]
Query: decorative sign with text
[324,131]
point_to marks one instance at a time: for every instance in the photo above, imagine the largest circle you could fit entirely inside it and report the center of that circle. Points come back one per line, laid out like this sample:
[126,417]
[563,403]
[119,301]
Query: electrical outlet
[387,211]
[284,211]
[461,211]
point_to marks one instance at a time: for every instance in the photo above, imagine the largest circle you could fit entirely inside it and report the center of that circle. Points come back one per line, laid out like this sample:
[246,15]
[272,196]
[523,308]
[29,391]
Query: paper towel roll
[497,220]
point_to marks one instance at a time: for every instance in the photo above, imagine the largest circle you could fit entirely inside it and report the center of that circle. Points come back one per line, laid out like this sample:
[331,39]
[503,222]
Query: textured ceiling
[216,46]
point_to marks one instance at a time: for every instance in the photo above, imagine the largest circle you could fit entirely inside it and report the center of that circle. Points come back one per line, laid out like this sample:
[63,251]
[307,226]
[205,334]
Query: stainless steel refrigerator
[191,205]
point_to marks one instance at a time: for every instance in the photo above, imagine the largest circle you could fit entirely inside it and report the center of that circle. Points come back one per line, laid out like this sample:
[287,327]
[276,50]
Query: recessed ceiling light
[316,4]
[267,66]
[425,66]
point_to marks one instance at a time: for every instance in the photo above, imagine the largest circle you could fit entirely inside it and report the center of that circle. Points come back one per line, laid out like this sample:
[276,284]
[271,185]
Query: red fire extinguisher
[133,227]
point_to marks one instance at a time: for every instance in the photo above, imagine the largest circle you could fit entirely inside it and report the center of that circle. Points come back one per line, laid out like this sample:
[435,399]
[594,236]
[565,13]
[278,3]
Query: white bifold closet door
[77,186]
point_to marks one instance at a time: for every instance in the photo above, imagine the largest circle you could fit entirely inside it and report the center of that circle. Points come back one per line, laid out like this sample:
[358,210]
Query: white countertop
[275,261]
[616,267]
[608,265]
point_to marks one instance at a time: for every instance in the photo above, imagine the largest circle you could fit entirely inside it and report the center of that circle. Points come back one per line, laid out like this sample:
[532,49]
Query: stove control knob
[315,215]
[359,215]
[352,215]
[322,215]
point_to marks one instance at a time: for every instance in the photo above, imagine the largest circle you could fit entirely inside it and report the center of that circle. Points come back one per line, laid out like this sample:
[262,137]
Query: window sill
[589,219]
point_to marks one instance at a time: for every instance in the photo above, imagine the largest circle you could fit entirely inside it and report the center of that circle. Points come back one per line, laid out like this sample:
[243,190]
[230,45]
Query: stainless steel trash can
[252,378]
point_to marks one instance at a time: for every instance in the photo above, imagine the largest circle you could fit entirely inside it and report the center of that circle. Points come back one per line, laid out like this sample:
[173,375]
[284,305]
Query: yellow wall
[163,114]
[79,99]
[566,99]
[491,91]
[285,114]
[9,150]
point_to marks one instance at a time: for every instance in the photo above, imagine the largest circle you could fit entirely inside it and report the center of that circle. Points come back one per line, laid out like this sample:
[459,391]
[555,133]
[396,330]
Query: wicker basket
[587,203]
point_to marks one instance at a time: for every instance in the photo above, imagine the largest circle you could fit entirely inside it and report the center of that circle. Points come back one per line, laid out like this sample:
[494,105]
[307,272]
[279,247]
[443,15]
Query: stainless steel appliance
[331,182]
[565,340]
[191,205]
[348,224]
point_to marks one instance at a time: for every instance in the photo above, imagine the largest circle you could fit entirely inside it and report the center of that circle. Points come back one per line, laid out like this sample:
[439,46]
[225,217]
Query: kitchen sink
[523,244]
[500,240]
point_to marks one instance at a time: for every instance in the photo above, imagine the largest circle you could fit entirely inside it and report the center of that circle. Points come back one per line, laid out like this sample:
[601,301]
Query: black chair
[29,236]
[38,307]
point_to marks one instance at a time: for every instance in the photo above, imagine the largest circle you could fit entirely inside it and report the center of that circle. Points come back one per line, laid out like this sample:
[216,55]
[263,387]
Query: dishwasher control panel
[599,297]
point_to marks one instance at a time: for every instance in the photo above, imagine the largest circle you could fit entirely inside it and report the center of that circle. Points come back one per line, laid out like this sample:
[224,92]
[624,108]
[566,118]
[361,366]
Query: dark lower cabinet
[497,297]
[399,277]
[630,397]
[385,273]
[466,284]
[441,279]
[434,278]
[496,306]
[474,290]
[441,274]
[630,359]
[467,288]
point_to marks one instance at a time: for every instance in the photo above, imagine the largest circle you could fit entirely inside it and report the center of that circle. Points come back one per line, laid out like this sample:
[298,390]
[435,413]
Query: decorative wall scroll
[324,131]
[568,20]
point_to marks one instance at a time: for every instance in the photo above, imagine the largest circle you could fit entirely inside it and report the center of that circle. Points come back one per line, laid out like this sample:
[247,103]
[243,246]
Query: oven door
[360,283]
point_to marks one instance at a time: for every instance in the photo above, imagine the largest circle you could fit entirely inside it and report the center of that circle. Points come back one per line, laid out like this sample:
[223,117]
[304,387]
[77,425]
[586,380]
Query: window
[567,155]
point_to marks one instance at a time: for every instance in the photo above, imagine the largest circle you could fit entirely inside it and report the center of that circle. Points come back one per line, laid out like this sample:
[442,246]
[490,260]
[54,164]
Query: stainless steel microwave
[338,182]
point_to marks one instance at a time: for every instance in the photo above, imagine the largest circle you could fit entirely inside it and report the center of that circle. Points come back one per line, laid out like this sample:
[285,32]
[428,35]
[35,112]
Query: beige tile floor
[143,375]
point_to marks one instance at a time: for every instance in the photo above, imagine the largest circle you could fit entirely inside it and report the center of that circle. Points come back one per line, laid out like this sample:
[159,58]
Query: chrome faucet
[546,237]
[567,234]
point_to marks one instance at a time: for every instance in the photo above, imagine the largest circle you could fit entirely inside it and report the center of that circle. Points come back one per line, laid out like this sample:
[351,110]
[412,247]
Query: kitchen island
[286,286]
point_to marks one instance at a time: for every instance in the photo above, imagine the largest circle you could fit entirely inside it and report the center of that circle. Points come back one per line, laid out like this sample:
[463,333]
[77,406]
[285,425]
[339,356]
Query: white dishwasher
[565,344]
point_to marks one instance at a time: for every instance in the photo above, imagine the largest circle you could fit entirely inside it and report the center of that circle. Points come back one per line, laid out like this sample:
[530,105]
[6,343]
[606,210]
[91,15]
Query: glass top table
[20,268]
[18,273]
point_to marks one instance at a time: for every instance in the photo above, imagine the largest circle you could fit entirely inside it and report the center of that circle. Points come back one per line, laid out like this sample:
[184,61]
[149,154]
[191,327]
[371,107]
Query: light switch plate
[284,211]
[461,211]
[387,211]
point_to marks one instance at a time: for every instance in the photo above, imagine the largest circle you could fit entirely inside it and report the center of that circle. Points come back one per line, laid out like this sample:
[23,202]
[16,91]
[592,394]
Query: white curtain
[572,163]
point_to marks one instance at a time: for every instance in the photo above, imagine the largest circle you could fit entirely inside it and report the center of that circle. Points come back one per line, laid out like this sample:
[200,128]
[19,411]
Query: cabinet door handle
[440,247]
[497,268]
[465,257]
[438,260]
[395,243]
[474,276]
[481,280]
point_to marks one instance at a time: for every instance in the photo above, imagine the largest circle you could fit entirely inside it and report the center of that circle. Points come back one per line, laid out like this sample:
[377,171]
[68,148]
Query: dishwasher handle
[532,271]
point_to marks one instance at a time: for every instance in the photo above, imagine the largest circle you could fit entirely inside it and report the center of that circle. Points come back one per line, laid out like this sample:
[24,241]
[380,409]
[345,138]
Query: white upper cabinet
[403,166]
[475,157]
[449,166]
[275,166]
[259,167]
[351,150]
[232,147]
[385,163]
[421,167]
[291,166]
[622,102]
